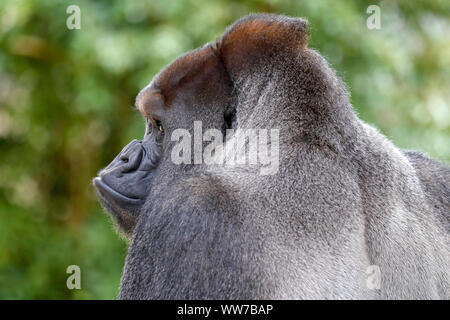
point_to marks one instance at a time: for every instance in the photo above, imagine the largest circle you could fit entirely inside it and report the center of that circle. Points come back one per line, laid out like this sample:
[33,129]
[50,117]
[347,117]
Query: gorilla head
[200,86]
[344,198]
[195,87]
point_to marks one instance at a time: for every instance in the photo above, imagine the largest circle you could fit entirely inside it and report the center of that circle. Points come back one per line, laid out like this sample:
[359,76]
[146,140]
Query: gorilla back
[344,201]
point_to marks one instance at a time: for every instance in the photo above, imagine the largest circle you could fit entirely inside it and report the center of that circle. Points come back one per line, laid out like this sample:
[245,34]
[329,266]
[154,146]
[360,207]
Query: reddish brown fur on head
[203,73]
[198,76]
[256,38]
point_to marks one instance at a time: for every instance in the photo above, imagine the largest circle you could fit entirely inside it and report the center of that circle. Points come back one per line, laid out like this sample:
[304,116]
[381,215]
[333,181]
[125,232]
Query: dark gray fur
[344,197]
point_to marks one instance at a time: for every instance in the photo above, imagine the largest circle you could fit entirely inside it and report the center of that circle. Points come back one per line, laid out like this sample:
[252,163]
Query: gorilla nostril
[131,160]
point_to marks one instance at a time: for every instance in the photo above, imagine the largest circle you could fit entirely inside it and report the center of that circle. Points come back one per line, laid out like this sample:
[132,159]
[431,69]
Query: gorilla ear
[261,36]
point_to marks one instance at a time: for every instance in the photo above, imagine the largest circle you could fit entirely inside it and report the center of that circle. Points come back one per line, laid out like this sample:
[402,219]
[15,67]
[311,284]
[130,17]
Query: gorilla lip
[109,192]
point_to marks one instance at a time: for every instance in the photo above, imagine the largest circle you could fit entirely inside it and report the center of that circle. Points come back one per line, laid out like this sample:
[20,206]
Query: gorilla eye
[159,125]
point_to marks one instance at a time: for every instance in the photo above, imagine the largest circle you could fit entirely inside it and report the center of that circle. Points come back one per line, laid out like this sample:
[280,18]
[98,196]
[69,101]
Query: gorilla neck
[318,109]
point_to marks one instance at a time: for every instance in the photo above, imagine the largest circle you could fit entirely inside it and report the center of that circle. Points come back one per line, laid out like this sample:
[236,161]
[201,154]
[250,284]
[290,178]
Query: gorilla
[343,203]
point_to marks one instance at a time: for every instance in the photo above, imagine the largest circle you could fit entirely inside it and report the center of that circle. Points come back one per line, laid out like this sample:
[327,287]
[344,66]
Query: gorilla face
[124,184]
[194,88]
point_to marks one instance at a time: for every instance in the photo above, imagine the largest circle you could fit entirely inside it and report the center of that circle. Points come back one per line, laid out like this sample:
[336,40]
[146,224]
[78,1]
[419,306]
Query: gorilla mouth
[110,194]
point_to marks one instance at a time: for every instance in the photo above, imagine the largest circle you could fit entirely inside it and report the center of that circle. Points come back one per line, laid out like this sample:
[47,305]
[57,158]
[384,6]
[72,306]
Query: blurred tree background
[66,100]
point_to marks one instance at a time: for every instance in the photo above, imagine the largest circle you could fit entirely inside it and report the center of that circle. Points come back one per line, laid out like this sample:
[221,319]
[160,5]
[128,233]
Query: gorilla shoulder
[435,179]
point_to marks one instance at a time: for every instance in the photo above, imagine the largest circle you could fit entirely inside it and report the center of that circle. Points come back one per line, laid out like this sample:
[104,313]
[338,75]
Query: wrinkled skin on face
[124,184]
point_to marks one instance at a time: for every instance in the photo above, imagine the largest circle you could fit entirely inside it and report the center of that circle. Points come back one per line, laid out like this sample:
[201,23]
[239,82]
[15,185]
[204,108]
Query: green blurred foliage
[66,100]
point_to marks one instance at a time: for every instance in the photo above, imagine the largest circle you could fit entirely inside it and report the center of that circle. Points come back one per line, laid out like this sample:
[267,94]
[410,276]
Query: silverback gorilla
[344,200]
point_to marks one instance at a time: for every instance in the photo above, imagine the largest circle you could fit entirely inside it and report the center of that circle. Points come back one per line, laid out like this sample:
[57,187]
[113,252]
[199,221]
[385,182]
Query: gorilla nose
[131,158]
[128,160]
